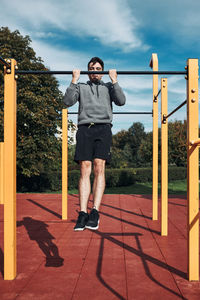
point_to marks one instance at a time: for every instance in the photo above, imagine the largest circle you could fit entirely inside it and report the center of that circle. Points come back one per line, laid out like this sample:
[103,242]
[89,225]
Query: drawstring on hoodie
[97,88]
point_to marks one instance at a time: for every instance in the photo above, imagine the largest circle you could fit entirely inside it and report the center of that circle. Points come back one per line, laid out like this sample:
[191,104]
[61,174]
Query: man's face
[95,67]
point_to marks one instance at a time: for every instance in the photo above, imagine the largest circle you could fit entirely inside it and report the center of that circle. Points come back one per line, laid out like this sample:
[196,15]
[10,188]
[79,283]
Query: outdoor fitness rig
[8,156]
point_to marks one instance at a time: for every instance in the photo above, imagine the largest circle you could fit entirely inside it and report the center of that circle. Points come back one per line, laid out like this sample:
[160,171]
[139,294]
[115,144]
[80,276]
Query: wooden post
[2,168]
[64,163]
[10,172]
[164,159]
[193,169]
[154,66]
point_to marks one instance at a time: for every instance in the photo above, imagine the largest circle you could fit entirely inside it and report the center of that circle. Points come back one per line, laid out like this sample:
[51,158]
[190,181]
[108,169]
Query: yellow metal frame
[193,141]
[2,168]
[154,66]
[197,142]
[164,159]
[10,172]
[64,163]
[193,169]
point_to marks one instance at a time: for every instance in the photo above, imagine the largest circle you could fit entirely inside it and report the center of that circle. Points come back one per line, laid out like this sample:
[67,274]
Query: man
[94,135]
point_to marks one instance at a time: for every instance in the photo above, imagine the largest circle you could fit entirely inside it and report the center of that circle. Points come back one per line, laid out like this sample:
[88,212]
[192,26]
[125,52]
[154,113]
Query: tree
[146,149]
[177,142]
[38,109]
[177,139]
[137,135]
[126,144]
[120,151]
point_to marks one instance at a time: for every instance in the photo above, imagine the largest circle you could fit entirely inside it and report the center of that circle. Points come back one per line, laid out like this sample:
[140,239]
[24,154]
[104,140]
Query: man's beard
[95,80]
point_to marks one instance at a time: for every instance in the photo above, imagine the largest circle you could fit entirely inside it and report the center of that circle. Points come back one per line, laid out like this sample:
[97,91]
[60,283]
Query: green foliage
[174,173]
[72,165]
[73,179]
[114,178]
[119,177]
[177,173]
[39,104]
[45,182]
[177,142]
[53,180]
[134,147]
[125,148]
[146,149]
[137,135]
[143,174]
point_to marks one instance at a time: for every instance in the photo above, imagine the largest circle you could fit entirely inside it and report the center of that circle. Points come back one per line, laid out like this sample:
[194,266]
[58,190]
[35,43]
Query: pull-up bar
[37,72]
[122,113]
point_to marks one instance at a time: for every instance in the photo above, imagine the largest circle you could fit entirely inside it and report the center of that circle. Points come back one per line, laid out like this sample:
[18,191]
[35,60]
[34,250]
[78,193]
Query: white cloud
[177,85]
[111,22]
[134,83]
[60,59]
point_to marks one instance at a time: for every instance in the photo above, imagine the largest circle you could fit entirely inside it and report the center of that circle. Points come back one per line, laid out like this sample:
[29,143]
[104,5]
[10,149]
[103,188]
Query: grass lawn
[178,187]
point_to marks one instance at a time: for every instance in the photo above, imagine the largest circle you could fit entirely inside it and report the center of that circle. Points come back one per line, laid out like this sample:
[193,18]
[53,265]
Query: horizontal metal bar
[37,72]
[4,62]
[178,107]
[121,113]
[195,143]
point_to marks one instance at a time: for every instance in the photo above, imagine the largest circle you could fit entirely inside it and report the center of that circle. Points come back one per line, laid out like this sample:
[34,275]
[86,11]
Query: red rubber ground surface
[125,259]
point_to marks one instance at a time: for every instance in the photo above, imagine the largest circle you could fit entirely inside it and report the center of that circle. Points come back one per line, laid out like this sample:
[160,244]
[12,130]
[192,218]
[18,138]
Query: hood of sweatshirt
[95,85]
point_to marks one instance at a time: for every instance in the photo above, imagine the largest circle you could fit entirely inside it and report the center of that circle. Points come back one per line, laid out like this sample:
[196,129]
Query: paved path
[125,259]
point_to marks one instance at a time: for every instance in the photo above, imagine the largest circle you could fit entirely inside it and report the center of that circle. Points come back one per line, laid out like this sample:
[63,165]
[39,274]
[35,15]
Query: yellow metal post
[193,170]
[10,173]
[154,66]
[164,159]
[64,163]
[2,173]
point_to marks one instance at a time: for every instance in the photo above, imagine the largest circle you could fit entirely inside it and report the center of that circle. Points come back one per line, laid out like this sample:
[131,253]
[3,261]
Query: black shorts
[93,141]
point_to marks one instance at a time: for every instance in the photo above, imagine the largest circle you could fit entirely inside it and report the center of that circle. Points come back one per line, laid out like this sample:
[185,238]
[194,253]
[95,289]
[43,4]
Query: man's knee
[85,168]
[99,166]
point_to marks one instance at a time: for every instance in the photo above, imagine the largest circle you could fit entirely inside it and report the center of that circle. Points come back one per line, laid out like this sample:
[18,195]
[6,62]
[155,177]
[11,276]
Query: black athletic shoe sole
[79,229]
[92,228]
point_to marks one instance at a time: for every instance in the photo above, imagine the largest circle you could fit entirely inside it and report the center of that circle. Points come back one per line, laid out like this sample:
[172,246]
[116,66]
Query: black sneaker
[81,222]
[93,222]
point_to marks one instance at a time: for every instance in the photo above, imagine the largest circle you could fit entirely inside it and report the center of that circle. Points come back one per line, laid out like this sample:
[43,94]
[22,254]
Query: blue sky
[124,33]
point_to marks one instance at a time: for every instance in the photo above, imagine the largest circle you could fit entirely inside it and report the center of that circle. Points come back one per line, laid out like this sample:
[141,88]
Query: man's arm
[116,93]
[72,93]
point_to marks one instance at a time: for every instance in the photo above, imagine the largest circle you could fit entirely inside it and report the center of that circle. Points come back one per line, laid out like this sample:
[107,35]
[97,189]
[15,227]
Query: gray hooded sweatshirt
[95,100]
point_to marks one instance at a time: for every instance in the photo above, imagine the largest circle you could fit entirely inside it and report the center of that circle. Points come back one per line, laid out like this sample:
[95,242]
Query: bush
[177,173]
[114,177]
[143,174]
[73,178]
[119,177]
[44,182]
[174,173]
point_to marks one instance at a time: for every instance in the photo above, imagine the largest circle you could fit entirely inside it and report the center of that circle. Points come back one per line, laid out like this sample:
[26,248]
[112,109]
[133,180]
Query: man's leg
[84,184]
[84,193]
[98,190]
[99,181]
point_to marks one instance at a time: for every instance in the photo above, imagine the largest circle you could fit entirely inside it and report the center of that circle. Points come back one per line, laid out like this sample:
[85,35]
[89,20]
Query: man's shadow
[37,231]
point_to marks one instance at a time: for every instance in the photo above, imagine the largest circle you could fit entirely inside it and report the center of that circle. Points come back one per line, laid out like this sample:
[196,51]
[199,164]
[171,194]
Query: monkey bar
[47,72]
